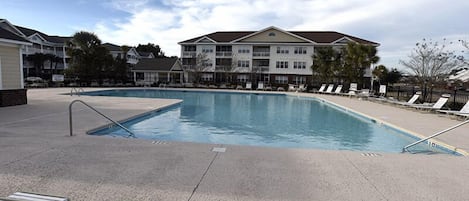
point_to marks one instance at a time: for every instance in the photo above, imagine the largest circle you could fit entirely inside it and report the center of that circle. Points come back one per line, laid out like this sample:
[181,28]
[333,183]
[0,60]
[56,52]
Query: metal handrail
[89,106]
[76,90]
[434,135]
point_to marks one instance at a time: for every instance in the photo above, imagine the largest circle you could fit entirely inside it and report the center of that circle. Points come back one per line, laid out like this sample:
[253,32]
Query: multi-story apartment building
[271,55]
[45,44]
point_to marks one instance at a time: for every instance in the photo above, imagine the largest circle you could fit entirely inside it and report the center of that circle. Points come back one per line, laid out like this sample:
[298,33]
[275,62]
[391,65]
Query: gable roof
[5,34]
[315,36]
[53,39]
[156,64]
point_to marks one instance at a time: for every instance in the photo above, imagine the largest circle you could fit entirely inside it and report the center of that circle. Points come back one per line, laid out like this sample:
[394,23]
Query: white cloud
[396,24]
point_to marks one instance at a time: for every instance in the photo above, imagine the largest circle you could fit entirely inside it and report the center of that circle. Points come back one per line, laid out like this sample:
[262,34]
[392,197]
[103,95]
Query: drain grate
[371,154]
[159,142]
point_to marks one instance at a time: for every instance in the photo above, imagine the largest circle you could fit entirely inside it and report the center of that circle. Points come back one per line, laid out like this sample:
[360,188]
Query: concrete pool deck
[36,154]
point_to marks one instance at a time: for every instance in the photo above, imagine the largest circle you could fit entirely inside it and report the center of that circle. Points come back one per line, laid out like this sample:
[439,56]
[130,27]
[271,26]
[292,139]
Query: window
[299,65]
[282,64]
[244,51]
[300,50]
[281,79]
[223,48]
[271,34]
[242,78]
[243,63]
[281,50]
[300,80]
[207,77]
[189,48]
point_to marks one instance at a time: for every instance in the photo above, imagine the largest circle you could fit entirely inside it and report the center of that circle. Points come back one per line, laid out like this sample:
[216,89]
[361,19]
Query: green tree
[150,47]
[53,61]
[380,73]
[37,59]
[89,59]
[393,76]
[327,63]
[358,58]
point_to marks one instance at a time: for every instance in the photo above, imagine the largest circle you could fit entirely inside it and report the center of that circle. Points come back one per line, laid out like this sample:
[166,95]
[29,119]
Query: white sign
[57,78]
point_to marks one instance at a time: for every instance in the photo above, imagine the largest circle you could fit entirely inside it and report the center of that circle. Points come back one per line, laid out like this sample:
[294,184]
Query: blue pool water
[259,120]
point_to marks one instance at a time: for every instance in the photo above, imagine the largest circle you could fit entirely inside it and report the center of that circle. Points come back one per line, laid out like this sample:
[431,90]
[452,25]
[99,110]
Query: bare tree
[430,62]
[201,65]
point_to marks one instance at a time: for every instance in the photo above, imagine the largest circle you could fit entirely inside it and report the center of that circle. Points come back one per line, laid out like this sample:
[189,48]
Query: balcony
[260,68]
[187,54]
[261,54]
[223,54]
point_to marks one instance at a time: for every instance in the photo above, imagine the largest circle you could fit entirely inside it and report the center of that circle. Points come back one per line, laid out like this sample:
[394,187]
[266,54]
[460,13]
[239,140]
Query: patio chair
[411,101]
[291,87]
[436,106]
[260,86]
[382,90]
[338,89]
[464,111]
[352,91]
[329,88]
[321,89]
[248,86]
[302,87]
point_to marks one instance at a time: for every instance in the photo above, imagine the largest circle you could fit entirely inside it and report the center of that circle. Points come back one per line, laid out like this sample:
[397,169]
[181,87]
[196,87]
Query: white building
[270,55]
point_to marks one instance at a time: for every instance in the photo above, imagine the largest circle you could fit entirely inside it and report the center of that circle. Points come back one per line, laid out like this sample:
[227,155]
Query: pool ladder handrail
[76,90]
[103,115]
[405,149]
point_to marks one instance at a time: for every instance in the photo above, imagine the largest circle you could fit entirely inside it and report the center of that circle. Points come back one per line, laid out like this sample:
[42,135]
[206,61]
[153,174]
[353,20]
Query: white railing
[188,54]
[223,54]
[261,54]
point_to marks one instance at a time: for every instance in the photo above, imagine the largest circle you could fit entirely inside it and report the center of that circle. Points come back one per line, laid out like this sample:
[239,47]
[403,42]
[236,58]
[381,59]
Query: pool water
[258,120]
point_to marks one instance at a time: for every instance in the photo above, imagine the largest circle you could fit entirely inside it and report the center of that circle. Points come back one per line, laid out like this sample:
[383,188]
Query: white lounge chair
[291,87]
[411,101]
[382,90]
[321,89]
[248,86]
[302,87]
[338,89]
[329,88]
[352,91]
[260,86]
[463,112]
[437,106]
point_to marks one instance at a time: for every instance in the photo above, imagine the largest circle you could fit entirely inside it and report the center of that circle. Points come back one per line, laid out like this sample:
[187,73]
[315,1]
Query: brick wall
[11,97]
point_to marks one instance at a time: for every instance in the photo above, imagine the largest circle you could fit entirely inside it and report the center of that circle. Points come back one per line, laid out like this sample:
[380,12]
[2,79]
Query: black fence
[456,101]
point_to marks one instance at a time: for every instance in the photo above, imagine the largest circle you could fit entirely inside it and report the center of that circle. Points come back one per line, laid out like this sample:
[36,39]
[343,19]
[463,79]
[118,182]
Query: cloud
[396,24]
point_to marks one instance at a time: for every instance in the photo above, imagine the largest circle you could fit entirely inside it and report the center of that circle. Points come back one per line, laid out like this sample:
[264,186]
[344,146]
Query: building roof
[316,36]
[155,64]
[53,39]
[112,47]
[5,34]
[144,54]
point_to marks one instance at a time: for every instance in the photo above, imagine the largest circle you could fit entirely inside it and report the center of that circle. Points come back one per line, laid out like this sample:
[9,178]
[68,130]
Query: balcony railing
[223,54]
[261,54]
[261,68]
[189,54]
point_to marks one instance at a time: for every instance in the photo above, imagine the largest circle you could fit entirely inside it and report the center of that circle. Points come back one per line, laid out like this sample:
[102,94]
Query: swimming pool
[274,120]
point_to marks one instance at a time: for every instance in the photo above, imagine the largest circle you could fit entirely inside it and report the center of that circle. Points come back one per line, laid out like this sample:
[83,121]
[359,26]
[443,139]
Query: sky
[396,24]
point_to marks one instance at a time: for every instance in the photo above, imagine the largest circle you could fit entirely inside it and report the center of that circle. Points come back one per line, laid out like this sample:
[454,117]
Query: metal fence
[456,101]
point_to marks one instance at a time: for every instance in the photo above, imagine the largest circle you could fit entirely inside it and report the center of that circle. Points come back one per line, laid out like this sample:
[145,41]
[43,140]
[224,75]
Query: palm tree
[326,64]
[38,60]
[358,57]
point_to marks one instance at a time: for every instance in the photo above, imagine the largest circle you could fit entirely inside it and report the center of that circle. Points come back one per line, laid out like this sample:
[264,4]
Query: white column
[21,68]
[135,76]
[65,61]
[169,77]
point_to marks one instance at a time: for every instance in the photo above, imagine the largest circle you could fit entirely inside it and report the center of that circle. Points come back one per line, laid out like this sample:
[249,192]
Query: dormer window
[271,34]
